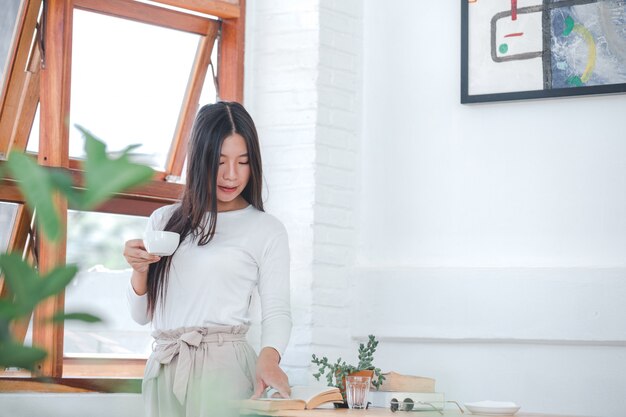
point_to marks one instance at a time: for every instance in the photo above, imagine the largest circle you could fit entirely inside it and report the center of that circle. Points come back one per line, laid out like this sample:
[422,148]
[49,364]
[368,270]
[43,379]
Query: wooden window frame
[49,86]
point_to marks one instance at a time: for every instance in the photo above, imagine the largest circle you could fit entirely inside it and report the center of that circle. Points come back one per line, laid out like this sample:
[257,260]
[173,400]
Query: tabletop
[383,412]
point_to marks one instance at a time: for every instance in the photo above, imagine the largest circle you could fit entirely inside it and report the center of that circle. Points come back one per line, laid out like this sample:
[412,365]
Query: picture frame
[541,49]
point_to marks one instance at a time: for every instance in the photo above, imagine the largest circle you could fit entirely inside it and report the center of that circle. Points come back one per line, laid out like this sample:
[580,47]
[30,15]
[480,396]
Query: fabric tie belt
[184,342]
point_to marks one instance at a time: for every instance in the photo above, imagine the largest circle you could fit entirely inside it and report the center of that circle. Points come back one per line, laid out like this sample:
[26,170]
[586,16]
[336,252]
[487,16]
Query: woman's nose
[230,173]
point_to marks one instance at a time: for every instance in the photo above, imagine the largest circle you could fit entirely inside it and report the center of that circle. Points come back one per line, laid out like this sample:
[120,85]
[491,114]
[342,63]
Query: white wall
[281,68]
[492,237]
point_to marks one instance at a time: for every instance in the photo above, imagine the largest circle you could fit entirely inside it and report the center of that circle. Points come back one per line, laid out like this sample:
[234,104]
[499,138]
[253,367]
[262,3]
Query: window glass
[95,244]
[128,84]
[33,136]
[8,212]
[8,17]
[208,94]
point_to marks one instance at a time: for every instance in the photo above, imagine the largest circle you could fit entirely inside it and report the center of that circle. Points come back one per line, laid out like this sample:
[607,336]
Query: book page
[307,393]
[272,404]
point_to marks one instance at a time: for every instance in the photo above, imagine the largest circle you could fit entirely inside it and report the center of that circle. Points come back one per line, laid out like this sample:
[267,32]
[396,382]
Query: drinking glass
[357,389]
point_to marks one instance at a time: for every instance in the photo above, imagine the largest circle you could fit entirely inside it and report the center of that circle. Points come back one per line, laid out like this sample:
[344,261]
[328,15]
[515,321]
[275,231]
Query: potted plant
[336,372]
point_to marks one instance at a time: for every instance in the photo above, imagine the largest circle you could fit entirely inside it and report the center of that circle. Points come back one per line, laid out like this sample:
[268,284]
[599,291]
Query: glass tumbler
[357,390]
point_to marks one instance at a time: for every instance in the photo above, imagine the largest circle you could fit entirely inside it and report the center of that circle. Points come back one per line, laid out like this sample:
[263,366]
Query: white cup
[161,243]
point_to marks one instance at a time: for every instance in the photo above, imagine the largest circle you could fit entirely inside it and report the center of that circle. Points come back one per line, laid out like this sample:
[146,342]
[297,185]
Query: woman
[198,298]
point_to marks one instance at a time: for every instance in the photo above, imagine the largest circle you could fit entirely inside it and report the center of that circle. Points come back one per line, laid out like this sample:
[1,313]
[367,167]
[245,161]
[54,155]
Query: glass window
[208,94]
[8,18]
[95,244]
[8,211]
[128,84]
[33,136]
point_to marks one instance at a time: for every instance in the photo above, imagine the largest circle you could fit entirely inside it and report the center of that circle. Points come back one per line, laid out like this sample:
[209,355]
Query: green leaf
[22,279]
[37,187]
[105,176]
[13,354]
[55,281]
[8,310]
[5,332]
[86,317]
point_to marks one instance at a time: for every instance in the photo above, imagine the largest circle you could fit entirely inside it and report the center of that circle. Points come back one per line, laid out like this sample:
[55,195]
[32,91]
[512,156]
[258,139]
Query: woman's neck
[237,204]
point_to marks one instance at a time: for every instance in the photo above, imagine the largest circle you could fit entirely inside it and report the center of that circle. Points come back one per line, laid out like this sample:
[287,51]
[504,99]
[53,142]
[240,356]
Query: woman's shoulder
[267,222]
[163,214]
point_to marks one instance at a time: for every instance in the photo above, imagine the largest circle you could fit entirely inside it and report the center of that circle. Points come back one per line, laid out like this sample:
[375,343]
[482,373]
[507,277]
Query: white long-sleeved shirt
[213,284]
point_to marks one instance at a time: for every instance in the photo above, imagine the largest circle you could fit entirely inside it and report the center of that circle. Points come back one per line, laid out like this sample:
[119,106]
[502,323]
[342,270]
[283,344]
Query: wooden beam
[31,385]
[16,74]
[178,149]
[103,367]
[141,202]
[25,384]
[226,9]
[53,152]
[157,190]
[230,70]
[76,166]
[9,192]
[147,13]
[133,207]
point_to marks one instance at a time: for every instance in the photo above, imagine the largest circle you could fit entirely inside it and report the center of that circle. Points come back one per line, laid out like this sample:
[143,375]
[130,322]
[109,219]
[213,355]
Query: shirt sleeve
[138,304]
[274,294]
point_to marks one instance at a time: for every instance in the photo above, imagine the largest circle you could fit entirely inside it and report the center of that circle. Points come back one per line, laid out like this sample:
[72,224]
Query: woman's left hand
[269,374]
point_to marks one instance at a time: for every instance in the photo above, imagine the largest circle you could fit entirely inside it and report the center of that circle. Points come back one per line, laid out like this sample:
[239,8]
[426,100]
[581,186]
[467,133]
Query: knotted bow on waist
[184,342]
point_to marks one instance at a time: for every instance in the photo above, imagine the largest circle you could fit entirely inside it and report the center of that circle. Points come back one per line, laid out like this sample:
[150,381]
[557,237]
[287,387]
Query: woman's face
[233,173]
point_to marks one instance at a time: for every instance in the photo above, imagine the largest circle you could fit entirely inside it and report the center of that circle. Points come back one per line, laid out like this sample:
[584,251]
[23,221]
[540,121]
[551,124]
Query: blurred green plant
[104,177]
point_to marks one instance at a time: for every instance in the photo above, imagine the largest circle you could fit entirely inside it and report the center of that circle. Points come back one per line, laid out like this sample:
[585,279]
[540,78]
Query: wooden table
[383,412]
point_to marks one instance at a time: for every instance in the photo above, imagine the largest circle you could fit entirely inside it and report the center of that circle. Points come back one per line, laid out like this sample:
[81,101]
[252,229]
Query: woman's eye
[244,162]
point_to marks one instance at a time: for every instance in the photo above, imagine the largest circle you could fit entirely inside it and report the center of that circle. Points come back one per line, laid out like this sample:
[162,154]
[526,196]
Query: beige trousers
[198,372]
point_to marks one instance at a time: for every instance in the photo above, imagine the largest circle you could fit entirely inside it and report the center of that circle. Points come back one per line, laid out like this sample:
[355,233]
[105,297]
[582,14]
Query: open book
[302,397]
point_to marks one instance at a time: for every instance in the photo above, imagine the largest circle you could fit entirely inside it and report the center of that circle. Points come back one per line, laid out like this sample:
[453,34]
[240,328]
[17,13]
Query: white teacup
[161,243]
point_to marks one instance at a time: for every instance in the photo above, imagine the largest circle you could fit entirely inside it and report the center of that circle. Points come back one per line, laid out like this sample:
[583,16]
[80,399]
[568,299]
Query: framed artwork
[523,49]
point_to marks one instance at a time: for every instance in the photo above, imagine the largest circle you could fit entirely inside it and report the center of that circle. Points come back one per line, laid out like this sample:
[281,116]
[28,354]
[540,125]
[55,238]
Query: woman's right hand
[137,256]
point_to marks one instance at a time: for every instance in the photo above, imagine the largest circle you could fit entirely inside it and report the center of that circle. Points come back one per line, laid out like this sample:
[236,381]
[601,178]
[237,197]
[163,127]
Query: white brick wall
[280,92]
[303,90]
[336,176]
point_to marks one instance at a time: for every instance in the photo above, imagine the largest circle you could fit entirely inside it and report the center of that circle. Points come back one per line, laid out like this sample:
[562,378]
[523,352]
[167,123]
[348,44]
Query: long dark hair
[213,124]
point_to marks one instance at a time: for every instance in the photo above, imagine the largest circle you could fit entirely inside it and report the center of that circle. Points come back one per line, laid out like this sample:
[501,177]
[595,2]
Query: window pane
[208,94]
[95,244]
[128,84]
[8,17]
[8,212]
[33,137]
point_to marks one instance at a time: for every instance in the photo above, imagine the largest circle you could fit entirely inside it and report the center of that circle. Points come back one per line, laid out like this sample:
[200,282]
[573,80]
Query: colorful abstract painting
[518,49]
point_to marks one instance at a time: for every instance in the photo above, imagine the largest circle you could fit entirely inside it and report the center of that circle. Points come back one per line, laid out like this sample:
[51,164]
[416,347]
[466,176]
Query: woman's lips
[227,189]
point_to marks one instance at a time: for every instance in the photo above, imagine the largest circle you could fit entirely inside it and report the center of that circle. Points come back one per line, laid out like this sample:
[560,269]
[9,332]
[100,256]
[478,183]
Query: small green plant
[335,372]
